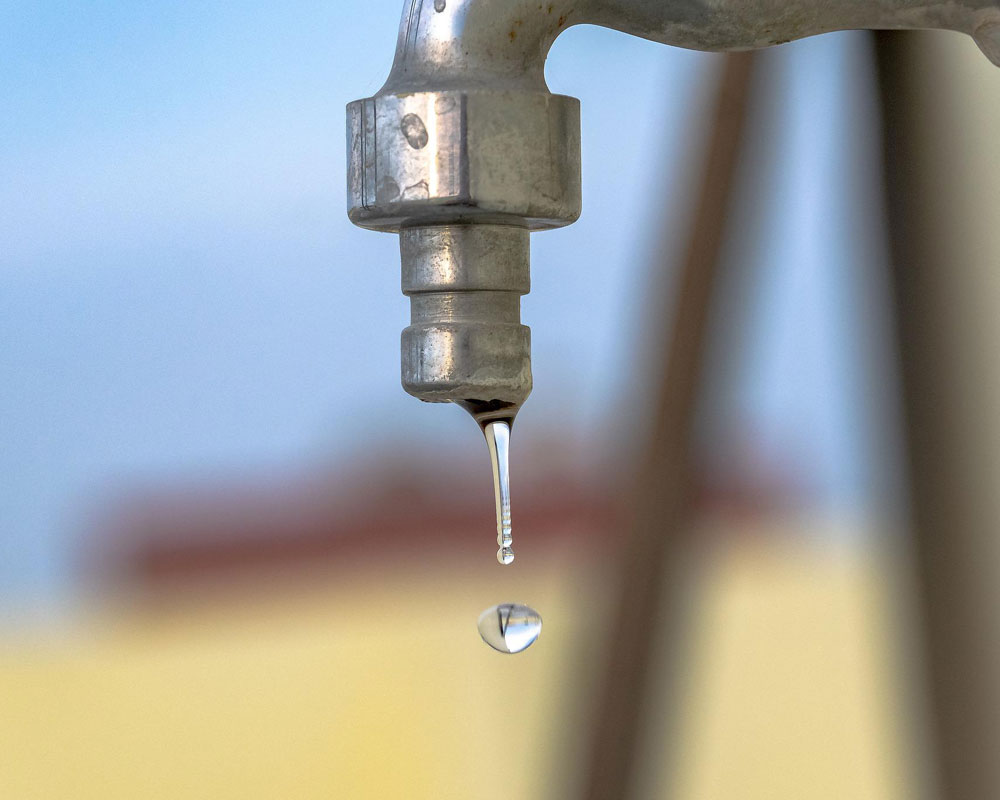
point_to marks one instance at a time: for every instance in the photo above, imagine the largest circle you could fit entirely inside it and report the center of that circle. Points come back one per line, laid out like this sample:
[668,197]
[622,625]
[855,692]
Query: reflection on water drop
[505,555]
[510,627]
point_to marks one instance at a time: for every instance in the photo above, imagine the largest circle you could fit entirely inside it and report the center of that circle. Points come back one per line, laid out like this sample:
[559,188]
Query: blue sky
[181,292]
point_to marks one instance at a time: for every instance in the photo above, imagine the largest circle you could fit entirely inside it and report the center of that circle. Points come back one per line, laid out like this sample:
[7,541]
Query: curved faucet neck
[502,44]
[470,44]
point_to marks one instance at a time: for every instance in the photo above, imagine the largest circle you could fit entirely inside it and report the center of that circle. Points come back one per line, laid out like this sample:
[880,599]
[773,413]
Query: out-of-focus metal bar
[646,609]
[948,359]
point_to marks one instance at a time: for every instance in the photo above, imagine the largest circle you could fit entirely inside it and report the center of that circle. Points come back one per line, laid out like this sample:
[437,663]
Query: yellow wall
[381,689]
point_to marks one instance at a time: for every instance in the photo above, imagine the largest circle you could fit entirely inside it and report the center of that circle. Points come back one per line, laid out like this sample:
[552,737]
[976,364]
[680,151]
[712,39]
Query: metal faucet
[464,152]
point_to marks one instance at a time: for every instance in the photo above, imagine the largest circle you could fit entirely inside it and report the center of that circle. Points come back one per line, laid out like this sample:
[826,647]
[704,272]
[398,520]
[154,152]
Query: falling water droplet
[510,627]
[498,440]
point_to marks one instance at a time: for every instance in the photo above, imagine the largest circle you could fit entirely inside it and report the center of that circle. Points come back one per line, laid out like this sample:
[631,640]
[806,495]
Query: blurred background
[236,560]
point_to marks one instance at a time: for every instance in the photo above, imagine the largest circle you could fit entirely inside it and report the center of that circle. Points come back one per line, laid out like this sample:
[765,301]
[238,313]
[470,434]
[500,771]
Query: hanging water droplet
[510,627]
[498,440]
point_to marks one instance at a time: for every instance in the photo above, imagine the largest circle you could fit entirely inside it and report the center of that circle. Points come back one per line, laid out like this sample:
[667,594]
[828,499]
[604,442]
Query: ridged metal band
[466,342]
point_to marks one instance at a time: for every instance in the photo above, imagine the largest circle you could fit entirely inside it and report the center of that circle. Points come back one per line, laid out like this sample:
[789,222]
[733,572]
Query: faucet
[464,152]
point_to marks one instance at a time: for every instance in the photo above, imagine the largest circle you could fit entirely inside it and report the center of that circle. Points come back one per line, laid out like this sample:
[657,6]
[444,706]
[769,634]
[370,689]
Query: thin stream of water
[506,627]
[498,440]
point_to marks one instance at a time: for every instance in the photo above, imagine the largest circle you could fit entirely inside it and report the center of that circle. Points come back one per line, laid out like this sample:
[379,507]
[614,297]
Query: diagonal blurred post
[647,606]
[945,294]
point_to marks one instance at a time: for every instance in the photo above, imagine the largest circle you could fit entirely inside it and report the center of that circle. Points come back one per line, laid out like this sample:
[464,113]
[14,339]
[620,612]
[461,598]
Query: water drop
[387,190]
[415,131]
[444,103]
[510,627]
[498,440]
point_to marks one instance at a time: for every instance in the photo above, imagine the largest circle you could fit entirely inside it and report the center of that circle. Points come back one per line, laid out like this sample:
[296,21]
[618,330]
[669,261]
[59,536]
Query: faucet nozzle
[466,342]
[463,177]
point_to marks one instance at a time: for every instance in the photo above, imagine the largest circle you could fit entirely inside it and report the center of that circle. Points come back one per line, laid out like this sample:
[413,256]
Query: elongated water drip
[498,440]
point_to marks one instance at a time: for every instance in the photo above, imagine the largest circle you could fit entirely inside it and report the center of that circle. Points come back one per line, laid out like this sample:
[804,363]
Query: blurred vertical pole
[649,605]
[945,260]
